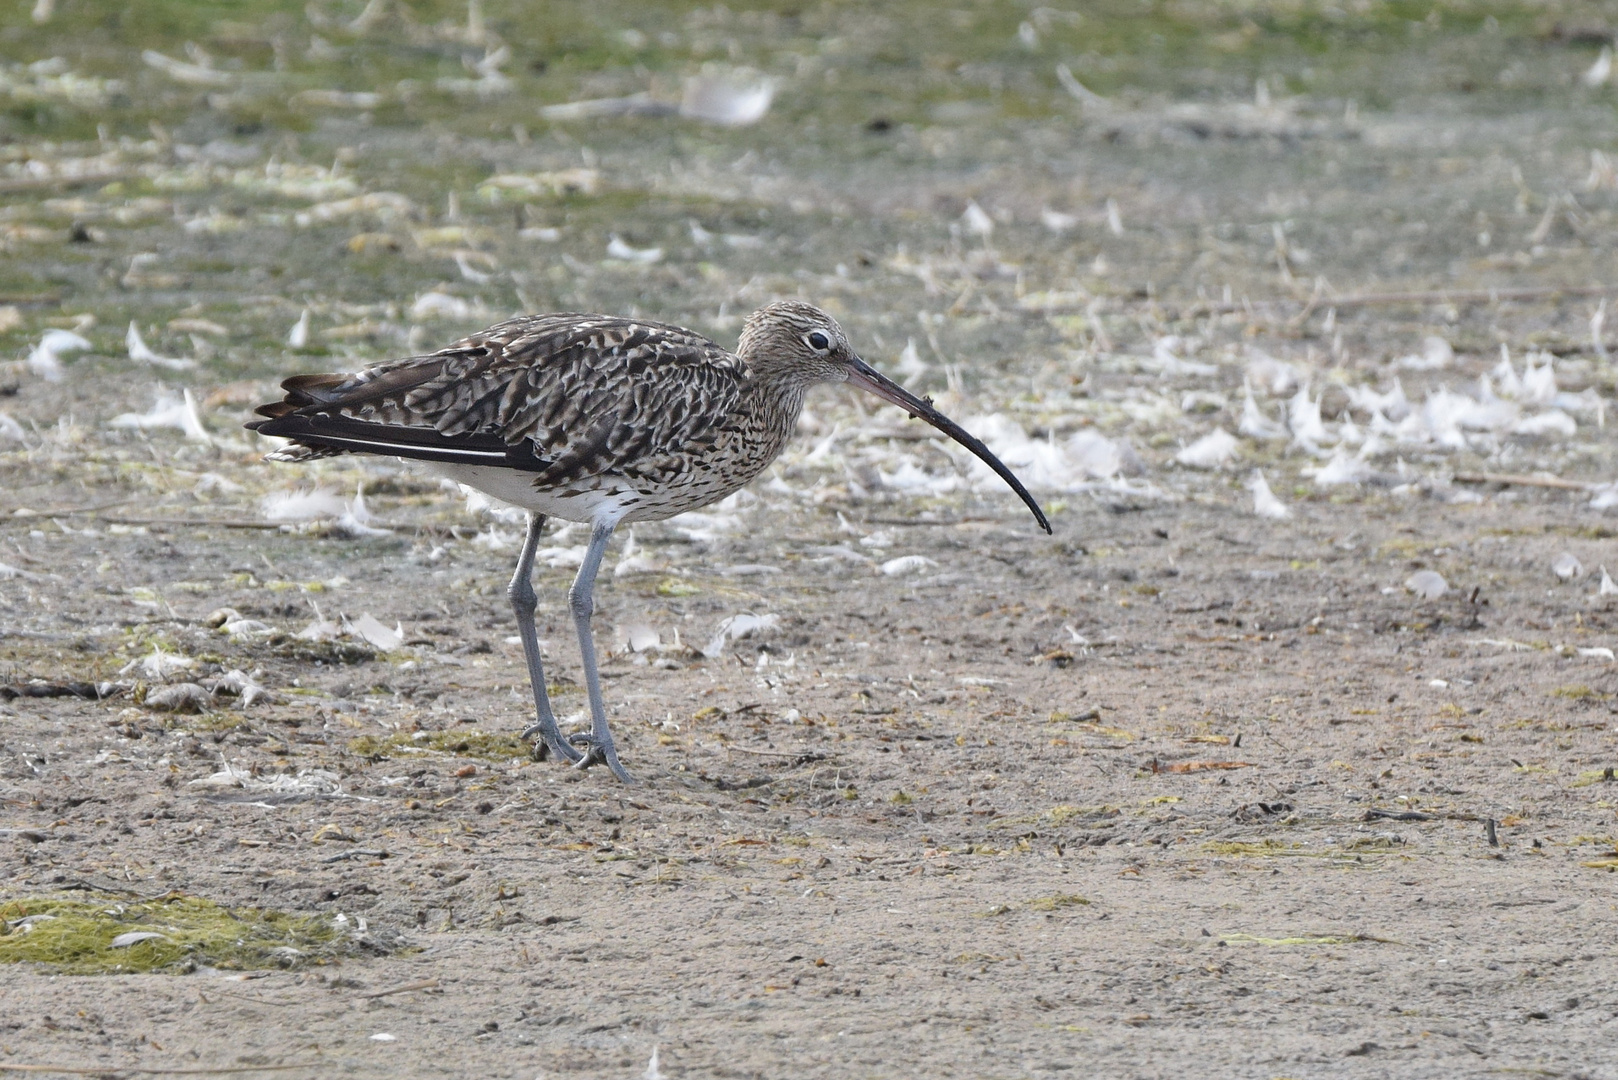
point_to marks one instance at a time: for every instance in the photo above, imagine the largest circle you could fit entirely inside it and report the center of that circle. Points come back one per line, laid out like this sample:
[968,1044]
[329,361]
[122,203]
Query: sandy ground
[1180,791]
[969,854]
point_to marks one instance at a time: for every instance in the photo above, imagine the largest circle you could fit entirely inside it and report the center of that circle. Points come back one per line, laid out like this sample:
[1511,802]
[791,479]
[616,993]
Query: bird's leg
[523,602]
[581,599]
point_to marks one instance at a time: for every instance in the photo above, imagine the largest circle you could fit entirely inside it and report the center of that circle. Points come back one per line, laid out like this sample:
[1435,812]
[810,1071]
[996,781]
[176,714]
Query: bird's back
[564,398]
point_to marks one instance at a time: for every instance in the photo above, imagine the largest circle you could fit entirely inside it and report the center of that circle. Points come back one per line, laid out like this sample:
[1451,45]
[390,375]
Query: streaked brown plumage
[591,418]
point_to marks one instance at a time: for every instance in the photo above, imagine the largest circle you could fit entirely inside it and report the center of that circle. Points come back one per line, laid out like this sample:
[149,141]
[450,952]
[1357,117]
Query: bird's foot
[550,742]
[600,752]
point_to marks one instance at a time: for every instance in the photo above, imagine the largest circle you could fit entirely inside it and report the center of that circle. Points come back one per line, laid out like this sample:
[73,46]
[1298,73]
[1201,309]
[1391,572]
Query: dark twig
[357,853]
[1398,815]
[803,755]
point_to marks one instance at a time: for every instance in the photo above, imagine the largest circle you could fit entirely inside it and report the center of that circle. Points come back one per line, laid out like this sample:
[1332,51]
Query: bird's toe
[549,743]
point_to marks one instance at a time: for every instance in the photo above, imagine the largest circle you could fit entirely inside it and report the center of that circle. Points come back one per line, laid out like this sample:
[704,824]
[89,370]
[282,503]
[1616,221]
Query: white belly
[607,503]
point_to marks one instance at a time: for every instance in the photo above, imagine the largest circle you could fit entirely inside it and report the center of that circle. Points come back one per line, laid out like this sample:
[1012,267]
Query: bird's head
[798,342]
[796,345]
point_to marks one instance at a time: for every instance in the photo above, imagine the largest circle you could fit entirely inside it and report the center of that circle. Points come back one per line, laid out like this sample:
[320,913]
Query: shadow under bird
[597,419]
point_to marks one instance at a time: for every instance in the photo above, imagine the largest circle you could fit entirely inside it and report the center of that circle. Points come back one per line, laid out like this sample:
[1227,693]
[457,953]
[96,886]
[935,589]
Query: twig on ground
[1416,815]
[1398,815]
[219,523]
[424,984]
[59,183]
[244,997]
[806,755]
[1471,296]
[68,511]
[1522,481]
[1308,309]
[357,853]
[1441,296]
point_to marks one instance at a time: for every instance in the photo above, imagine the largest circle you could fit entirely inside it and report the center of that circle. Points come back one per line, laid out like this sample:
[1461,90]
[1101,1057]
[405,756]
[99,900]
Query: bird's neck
[775,397]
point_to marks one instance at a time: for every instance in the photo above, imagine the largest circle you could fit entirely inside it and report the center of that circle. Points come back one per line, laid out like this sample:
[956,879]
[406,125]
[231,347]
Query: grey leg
[523,602]
[581,599]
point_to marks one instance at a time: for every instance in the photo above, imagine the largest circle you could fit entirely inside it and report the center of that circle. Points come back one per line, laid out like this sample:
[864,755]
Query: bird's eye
[818,341]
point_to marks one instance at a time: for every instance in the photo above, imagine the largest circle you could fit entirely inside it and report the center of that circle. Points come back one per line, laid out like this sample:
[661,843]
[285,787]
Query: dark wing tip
[301,391]
[274,410]
[307,389]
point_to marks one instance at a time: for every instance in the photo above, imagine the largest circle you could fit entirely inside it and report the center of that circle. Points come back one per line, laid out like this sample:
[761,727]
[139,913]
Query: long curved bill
[868,378]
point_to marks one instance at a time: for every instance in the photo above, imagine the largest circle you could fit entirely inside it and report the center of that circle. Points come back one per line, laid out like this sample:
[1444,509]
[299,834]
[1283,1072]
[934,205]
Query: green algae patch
[1580,692]
[676,588]
[1060,815]
[1057,815]
[1056,901]
[176,934]
[1262,848]
[217,721]
[473,744]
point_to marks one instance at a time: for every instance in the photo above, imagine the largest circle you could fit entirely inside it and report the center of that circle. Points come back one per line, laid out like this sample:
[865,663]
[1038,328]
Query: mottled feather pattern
[606,418]
[597,399]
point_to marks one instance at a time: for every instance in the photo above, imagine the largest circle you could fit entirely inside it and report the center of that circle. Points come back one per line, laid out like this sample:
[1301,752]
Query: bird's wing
[563,396]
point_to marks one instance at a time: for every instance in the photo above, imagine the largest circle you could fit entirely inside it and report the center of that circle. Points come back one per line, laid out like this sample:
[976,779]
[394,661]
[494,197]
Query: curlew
[594,419]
